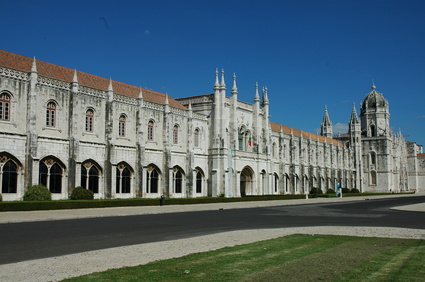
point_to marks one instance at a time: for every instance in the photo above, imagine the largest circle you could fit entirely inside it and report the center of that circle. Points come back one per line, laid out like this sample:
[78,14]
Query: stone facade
[65,128]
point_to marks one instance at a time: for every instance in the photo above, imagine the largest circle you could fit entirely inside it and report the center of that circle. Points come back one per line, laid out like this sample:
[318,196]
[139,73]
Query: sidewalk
[30,216]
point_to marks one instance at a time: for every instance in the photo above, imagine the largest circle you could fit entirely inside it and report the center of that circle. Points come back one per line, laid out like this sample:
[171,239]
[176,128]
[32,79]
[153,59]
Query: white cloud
[340,128]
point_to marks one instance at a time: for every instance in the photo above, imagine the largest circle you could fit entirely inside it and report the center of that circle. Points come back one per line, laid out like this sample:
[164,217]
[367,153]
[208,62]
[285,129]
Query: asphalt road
[33,240]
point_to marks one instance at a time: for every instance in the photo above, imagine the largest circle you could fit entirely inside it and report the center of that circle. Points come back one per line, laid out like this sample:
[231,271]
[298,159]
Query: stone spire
[326,127]
[110,91]
[256,97]
[265,96]
[74,83]
[222,84]
[167,104]
[34,66]
[216,84]
[110,88]
[354,118]
[234,87]
[326,120]
[75,78]
[140,93]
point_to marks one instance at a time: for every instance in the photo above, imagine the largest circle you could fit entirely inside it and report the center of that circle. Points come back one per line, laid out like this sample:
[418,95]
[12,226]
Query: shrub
[330,191]
[1,198]
[37,193]
[355,190]
[316,191]
[79,193]
[345,190]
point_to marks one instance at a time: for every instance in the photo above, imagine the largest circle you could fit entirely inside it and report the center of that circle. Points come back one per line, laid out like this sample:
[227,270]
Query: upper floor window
[4,106]
[51,114]
[150,130]
[89,120]
[121,127]
[176,134]
[196,135]
[373,158]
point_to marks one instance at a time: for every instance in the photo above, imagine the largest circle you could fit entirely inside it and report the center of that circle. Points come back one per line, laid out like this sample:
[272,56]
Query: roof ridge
[54,71]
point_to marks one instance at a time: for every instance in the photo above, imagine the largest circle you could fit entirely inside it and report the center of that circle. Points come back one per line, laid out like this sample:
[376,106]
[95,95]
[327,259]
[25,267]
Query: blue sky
[309,53]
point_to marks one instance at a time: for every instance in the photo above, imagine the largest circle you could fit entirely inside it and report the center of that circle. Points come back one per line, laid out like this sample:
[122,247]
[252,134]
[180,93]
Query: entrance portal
[246,182]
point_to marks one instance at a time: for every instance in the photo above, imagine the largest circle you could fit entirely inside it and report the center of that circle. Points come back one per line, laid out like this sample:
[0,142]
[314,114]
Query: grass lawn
[290,258]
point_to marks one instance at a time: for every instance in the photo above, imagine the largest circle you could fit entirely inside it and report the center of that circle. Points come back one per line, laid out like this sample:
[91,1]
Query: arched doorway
[246,181]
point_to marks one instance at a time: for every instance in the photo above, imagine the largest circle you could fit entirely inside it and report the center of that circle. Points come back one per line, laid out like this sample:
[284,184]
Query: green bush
[79,193]
[37,193]
[1,198]
[345,190]
[316,191]
[355,190]
[330,191]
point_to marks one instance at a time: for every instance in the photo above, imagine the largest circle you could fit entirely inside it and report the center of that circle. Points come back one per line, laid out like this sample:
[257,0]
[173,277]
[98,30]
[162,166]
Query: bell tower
[375,115]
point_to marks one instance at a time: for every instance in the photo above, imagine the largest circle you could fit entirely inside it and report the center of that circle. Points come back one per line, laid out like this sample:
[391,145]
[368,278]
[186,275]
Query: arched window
[51,114]
[178,180]
[199,182]
[89,120]
[90,177]
[196,137]
[50,175]
[176,134]
[121,126]
[150,130]
[373,158]
[372,130]
[123,179]
[152,177]
[241,142]
[4,106]
[8,176]
[274,149]
[276,181]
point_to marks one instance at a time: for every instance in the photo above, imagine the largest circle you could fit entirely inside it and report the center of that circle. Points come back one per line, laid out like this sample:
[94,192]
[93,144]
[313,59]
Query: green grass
[290,258]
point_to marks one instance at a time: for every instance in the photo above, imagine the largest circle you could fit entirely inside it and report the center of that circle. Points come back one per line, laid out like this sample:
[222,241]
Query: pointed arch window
[152,177]
[8,175]
[199,181]
[90,177]
[50,175]
[196,137]
[275,182]
[5,106]
[123,179]
[121,126]
[176,134]
[150,130]
[178,180]
[51,114]
[241,141]
[372,130]
[373,158]
[89,120]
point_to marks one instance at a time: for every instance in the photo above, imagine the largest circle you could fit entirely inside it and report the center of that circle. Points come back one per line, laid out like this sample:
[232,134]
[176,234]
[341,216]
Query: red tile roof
[306,135]
[421,155]
[23,63]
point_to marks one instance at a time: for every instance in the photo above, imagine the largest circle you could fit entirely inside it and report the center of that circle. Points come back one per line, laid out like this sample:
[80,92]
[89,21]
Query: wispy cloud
[420,116]
[340,128]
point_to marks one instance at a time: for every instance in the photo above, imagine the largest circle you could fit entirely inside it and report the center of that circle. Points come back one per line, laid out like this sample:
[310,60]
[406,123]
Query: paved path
[28,216]
[61,267]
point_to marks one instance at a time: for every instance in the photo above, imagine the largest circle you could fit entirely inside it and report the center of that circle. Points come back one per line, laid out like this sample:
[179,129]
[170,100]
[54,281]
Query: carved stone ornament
[3,159]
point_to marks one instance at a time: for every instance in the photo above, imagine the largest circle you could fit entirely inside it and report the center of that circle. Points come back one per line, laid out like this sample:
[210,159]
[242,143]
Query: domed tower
[376,143]
[375,115]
